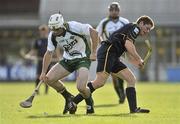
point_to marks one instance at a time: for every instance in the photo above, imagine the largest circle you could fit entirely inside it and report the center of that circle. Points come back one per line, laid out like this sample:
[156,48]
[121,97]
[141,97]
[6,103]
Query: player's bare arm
[46,61]
[131,49]
[57,55]
[130,59]
[94,43]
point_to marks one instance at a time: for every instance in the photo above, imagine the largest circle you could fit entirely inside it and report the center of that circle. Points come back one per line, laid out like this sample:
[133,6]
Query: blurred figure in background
[105,28]
[3,66]
[38,50]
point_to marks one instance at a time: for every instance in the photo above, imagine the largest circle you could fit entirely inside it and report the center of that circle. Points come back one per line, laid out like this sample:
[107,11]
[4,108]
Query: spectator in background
[38,50]
[3,68]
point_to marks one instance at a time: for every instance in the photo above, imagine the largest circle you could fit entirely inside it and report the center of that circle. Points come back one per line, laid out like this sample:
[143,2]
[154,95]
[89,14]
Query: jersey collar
[62,34]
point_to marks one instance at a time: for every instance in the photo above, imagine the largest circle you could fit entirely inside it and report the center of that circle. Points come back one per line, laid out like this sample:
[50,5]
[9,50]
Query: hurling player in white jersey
[78,54]
[105,28]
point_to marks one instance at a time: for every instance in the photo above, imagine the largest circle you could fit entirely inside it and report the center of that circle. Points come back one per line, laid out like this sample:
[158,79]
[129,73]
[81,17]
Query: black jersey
[40,45]
[119,37]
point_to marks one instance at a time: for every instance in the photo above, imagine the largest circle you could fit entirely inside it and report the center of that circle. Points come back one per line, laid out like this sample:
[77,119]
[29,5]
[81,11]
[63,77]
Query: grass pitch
[163,99]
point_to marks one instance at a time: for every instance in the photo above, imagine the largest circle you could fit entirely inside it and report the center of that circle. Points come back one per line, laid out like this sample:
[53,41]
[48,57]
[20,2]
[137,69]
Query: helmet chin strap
[63,32]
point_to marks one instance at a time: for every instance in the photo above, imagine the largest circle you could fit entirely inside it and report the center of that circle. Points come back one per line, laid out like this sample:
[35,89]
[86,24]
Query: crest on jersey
[72,37]
[136,30]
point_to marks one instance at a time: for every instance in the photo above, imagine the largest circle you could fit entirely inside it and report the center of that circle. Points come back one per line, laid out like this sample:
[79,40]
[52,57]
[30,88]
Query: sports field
[163,99]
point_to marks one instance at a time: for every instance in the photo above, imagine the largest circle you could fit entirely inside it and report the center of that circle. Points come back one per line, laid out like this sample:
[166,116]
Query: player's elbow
[81,89]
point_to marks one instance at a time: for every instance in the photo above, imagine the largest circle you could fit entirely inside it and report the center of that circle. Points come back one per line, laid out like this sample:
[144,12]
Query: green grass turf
[163,99]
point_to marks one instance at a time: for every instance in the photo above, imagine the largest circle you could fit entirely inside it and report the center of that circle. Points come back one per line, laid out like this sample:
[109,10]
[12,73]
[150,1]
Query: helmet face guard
[56,21]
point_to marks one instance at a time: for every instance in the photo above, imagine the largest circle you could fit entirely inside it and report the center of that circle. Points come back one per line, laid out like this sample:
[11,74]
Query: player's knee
[49,82]
[131,81]
[81,88]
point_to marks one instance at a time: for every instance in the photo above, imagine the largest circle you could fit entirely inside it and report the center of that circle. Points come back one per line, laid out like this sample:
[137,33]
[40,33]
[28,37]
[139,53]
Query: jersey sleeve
[124,20]
[133,33]
[99,28]
[50,46]
[80,28]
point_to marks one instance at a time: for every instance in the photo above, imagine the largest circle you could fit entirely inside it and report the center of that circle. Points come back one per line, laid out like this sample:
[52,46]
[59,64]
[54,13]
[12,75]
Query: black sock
[131,96]
[119,87]
[91,87]
[78,98]
[121,84]
[89,101]
[117,91]
[66,94]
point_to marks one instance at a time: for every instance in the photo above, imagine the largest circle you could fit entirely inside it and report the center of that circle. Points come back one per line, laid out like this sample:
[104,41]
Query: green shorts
[75,64]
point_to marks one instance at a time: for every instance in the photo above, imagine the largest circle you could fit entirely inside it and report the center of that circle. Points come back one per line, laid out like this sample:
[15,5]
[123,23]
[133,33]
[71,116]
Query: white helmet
[56,21]
[114,5]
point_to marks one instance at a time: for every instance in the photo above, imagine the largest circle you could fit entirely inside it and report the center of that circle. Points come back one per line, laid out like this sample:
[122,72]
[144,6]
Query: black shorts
[107,59]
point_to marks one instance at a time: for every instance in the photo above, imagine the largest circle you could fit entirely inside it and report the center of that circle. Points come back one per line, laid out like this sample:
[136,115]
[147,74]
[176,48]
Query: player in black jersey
[108,55]
[106,27]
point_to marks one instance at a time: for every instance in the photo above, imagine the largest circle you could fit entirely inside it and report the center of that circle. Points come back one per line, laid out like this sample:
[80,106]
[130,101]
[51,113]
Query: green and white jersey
[74,41]
[106,27]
